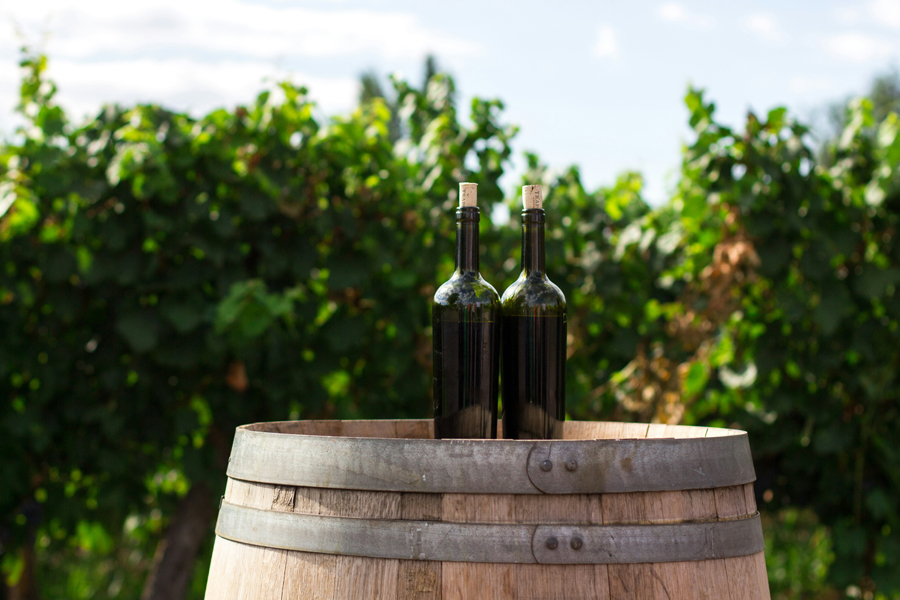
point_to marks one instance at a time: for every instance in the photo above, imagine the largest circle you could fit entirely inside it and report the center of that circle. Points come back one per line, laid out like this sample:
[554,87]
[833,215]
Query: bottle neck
[533,241]
[467,239]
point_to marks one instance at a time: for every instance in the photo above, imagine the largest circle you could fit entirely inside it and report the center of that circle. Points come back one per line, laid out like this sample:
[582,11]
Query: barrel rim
[572,466]
[266,426]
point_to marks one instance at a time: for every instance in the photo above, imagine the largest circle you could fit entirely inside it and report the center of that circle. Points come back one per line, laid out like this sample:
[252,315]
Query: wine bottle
[533,371]
[465,317]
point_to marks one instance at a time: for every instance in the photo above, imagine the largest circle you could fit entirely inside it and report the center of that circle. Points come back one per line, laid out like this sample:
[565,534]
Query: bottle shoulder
[466,289]
[533,292]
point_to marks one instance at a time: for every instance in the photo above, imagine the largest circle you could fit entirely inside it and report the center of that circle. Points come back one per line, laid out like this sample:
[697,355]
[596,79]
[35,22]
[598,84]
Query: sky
[599,84]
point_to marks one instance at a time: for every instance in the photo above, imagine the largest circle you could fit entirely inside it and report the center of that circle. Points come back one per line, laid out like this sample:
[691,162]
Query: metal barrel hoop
[468,542]
[491,466]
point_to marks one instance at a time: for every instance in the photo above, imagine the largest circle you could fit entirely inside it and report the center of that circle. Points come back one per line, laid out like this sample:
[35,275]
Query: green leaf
[723,352]
[775,120]
[254,319]
[860,117]
[696,378]
[21,216]
[249,310]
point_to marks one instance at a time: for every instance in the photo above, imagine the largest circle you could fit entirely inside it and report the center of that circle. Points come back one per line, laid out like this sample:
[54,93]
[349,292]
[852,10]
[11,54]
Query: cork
[468,194]
[532,196]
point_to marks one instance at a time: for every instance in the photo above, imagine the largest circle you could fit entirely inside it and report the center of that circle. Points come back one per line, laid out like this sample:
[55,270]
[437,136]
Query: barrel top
[401,455]
[424,429]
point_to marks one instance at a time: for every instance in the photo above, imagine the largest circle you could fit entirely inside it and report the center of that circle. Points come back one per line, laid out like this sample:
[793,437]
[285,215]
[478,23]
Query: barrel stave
[420,579]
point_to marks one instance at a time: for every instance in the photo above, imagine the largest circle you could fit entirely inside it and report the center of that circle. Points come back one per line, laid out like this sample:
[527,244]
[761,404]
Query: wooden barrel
[359,510]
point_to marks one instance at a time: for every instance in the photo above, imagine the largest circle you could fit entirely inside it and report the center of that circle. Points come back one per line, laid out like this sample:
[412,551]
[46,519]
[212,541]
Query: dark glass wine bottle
[533,371]
[466,338]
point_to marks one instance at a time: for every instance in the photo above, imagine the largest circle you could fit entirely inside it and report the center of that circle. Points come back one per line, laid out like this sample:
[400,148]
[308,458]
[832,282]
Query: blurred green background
[165,278]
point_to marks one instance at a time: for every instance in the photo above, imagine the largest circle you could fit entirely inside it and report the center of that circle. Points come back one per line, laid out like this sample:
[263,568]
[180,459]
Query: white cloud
[765,26]
[858,47]
[847,15]
[184,84]
[803,85]
[677,13]
[198,54]
[231,27]
[606,44]
[886,12]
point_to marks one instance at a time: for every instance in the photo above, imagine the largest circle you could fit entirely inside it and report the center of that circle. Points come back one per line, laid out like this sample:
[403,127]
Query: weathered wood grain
[244,572]
[561,582]
[308,575]
[746,574]
[468,581]
[419,579]
[627,582]
[619,431]
[700,579]
[363,577]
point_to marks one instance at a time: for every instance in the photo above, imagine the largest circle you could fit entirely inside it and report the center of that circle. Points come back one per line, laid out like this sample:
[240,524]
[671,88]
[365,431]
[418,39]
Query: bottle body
[533,373]
[466,358]
[466,344]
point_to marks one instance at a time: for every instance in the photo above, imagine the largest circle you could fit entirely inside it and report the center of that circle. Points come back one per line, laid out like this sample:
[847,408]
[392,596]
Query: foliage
[164,278]
[884,93]
[817,320]
[92,564]
[798,555]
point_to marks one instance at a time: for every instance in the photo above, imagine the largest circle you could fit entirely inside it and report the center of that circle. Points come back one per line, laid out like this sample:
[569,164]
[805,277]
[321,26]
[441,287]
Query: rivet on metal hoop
[571,464]
[576,543]
[552,543]
[546,465]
